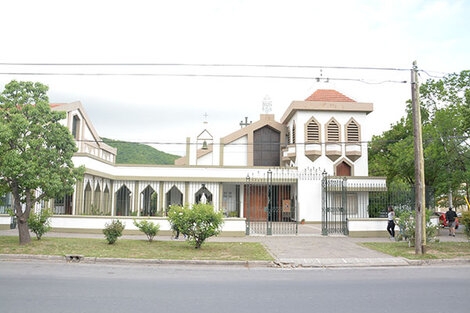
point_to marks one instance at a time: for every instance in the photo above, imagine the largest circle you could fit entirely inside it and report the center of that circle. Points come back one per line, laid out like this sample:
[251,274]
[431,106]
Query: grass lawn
[177,250]
[435,250]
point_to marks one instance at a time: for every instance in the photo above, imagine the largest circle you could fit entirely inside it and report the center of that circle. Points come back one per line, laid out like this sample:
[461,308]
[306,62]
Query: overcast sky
[169,109]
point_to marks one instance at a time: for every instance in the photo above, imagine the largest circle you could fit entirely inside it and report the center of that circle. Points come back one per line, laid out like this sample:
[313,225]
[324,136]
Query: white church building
[269,173]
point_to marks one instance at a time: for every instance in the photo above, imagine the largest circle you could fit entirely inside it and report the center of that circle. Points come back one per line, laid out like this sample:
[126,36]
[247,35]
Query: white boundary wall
[98,222]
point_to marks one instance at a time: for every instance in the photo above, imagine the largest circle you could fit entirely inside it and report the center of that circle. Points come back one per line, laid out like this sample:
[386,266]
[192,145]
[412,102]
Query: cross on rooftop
[246,123]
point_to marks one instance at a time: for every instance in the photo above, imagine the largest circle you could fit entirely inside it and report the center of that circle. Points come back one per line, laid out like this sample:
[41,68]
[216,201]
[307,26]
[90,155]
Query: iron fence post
[324,228]
[247,205]
[269,216]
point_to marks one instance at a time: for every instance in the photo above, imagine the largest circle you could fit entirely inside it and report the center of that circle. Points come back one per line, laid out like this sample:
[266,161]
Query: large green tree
[35,150]
[445,107]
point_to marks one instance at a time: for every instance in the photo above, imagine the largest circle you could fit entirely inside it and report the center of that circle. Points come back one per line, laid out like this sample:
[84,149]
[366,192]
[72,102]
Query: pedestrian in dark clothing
[450,217]
[391,223]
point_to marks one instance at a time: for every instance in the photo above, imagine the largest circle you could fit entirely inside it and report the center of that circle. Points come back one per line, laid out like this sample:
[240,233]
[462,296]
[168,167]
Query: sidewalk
[308,249]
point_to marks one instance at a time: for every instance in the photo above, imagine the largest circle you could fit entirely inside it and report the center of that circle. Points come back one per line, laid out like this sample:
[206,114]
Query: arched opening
[97,209]
[87,199]
[123,201]
[203,195]
[149,202]
[106,201]
[343,169]
[76,127]
[174,197]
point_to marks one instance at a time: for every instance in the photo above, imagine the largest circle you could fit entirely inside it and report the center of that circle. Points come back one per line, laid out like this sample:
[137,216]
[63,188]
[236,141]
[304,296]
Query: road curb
[95,260]
[438,262]
[278,263]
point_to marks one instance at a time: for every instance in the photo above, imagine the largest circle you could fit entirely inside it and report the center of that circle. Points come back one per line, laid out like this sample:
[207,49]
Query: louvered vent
[353,132]
[333,132]
[293,133]
[313,132]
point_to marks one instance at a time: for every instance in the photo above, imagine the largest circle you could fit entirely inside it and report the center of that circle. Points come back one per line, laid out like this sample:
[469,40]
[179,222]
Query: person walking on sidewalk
[391,222]
[450,217]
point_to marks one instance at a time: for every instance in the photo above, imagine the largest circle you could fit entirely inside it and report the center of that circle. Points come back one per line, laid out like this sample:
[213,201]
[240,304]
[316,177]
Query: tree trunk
[22,217]
[23,231]
[450,198]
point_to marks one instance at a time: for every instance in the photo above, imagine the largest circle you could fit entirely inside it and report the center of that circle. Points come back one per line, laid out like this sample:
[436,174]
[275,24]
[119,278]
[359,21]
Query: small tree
[113,231]
[148,228]
[407,226]
[465,219]
[35,150]
[176,218]
[198,223]
[39,223]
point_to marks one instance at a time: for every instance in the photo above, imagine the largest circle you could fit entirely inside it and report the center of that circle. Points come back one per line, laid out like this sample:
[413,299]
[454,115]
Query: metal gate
[270,201]
[334,206]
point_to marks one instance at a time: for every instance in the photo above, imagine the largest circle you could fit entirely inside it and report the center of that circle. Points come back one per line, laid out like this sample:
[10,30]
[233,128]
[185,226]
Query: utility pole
[420,207]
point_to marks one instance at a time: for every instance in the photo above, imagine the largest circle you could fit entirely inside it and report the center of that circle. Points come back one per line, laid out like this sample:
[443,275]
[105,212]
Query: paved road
[61,287]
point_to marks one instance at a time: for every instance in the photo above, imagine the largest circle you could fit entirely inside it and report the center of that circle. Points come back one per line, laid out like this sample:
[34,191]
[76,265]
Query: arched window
[97,200]
[76,127]
[106,201]
[123,201]
[87,199]
[332,131]
[174,197]
[149,202]
[203,195]
[352,131]
[312,134]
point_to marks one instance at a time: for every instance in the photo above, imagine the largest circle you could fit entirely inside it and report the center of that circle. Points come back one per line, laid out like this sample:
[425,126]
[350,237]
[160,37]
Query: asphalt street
[68,287]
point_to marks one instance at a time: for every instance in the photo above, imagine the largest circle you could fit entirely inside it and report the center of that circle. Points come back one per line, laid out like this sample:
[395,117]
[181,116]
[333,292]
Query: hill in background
[137,153]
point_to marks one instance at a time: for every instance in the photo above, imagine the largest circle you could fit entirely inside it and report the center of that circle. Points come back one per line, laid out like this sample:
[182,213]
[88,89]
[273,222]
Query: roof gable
[328,95]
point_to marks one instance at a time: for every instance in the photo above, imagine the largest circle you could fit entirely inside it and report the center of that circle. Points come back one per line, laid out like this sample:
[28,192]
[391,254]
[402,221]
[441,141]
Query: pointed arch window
[352,131]
[149,202]
[312,132]
[174,197]
[333,131]
[203,195]
[97,200]
[123,201]
[76,127]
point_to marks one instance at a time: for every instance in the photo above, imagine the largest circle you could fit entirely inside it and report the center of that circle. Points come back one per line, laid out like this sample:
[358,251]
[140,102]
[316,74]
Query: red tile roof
[53,105]
[328,95]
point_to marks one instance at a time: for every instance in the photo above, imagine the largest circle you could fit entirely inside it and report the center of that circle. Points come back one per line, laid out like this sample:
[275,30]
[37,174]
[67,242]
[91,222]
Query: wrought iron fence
[344,198]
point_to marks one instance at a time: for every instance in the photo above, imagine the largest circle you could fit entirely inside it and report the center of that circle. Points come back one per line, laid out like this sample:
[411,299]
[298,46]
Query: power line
[209,65]
[209,76]
[270,143]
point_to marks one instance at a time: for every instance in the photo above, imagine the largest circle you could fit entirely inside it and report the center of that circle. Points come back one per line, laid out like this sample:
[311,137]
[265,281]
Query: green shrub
[40,223]
[465,220]
[407,225]
[175,217]
[198,223]
[233,214]
[148,228]
[113,231]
